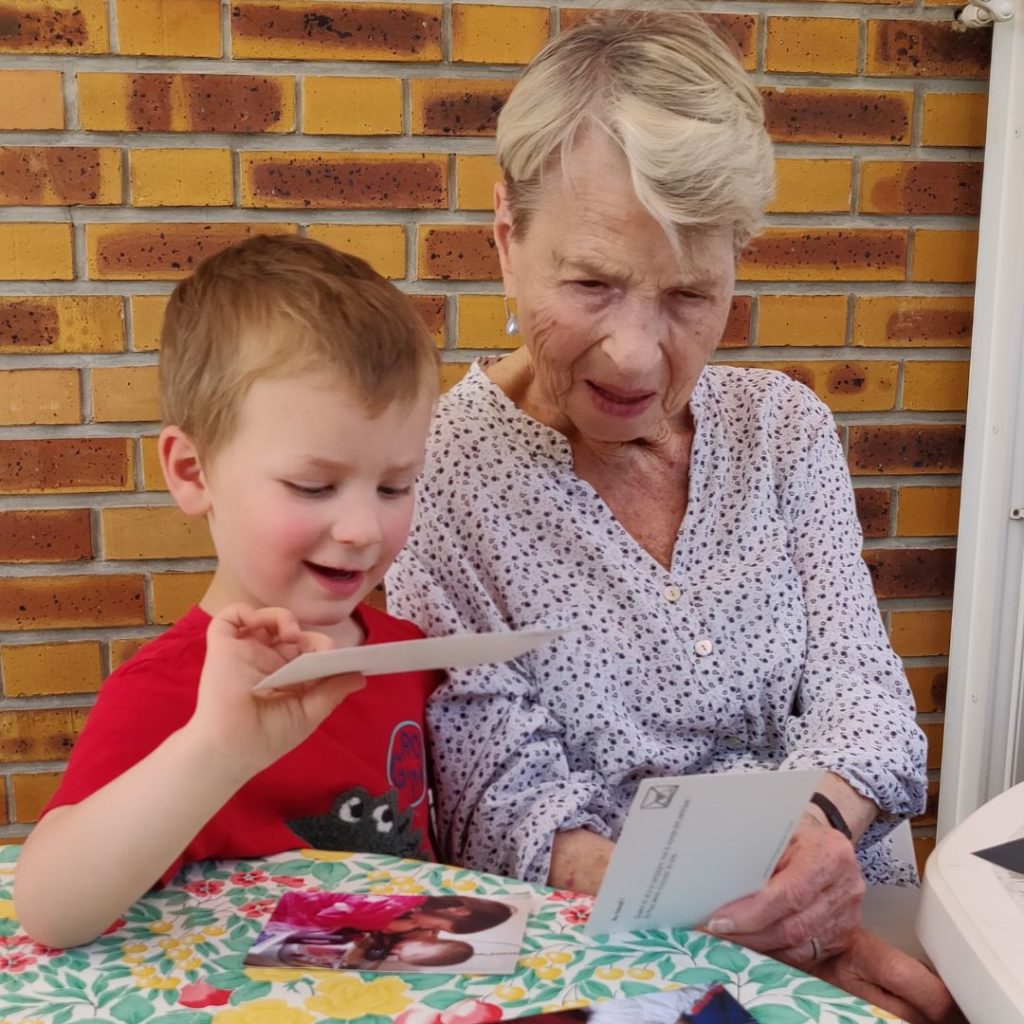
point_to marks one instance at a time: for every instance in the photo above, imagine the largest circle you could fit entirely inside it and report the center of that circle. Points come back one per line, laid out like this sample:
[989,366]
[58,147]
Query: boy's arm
[86,863]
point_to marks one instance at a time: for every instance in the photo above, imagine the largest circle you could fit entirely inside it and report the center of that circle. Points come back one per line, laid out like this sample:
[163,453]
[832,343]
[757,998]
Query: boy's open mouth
[331,573]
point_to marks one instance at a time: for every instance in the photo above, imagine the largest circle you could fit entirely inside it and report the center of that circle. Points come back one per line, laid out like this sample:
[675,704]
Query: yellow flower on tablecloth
[325,854]
[509,993]
[160,927]
[213,931]
[274,973]
[143,970]
[348,997]
[533,961]
[881,1014]
[640,973]
[378,875]
[133,947]
[548,973]
[609,973]
[169,945]
[406,885]
[134,958]
[670,986]
[7,910]
[264,1011]
[384,889]
[192,964]
[559,956]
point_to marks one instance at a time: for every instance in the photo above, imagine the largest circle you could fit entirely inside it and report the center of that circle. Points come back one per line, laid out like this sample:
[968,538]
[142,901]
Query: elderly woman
[697,521]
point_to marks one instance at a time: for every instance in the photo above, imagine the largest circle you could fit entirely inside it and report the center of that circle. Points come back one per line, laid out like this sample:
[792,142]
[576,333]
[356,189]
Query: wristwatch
[832,815]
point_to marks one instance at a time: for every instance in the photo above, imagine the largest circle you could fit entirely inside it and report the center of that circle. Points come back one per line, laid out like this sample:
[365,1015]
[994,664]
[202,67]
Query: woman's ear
[183,472]
[503,236]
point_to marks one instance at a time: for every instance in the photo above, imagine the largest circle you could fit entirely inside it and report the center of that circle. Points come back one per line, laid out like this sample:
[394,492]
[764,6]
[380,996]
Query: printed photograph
[700,1004]
[400,933]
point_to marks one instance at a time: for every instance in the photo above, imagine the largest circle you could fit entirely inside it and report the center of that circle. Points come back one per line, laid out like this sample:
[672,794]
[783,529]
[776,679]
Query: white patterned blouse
[760,648]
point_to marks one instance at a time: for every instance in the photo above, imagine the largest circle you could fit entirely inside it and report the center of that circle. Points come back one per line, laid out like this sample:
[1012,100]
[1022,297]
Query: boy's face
[311,499]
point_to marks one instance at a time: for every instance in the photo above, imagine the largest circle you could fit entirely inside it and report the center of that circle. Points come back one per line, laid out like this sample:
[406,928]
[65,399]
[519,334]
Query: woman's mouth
[337,582]
[620,401]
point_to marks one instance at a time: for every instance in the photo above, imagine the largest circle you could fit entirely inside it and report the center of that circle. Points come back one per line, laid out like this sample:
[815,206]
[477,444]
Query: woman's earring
[511,320]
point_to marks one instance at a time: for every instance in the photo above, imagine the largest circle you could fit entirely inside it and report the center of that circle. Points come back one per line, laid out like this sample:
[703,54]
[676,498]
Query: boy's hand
[243,645]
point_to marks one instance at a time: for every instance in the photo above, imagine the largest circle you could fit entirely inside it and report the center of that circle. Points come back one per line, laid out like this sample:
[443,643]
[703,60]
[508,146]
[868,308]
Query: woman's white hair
[671,94]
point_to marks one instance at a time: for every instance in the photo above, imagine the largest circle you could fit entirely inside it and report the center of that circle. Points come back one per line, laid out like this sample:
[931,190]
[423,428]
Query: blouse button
[673,593]
[703,647]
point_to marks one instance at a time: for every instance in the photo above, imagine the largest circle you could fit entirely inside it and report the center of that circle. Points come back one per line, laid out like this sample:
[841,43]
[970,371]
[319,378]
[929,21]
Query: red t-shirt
[359,782]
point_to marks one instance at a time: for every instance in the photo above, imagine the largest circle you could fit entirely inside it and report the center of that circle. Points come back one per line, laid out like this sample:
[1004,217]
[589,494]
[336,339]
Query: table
[971,921]
[176,957]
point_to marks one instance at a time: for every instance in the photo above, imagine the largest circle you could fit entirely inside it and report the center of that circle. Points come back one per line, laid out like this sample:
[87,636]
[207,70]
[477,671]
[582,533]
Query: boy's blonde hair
[278,305]
[670,93]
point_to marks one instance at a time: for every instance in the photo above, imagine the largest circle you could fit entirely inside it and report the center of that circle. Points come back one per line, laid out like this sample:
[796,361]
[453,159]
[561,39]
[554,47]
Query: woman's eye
[589,284]
[309,490]
[395,492]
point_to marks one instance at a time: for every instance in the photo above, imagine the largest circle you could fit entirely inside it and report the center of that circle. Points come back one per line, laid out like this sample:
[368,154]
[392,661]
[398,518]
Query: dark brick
[852,116]
[45,535]
[906,448]
[936,49]
[911,572]
[65,464]
[873,505]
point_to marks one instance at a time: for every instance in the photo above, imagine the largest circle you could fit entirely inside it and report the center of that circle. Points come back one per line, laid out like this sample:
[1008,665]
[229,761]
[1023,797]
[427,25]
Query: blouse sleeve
[503,779]
[854,714]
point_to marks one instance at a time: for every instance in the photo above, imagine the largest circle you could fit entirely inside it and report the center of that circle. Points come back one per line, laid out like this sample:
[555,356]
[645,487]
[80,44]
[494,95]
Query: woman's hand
[809,909]
[244,645]
[884,975]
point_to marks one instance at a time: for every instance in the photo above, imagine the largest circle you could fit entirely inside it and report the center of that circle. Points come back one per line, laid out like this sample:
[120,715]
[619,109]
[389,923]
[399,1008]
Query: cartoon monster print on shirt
[360,821]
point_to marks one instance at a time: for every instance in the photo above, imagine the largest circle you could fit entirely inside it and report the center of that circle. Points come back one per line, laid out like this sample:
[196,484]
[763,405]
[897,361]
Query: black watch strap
[832,815]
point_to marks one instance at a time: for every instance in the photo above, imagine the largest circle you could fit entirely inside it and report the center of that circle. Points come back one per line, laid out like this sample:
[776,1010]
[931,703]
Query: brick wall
[137,136]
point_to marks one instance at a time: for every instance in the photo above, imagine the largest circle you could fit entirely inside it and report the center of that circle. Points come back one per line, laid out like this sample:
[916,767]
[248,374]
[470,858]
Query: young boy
[296,387]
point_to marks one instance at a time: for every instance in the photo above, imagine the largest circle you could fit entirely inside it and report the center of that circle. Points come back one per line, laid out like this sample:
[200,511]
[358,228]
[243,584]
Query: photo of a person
[378,932]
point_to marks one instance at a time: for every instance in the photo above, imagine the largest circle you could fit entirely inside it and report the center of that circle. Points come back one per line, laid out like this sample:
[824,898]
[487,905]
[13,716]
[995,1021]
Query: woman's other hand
[809,910]
[882,974]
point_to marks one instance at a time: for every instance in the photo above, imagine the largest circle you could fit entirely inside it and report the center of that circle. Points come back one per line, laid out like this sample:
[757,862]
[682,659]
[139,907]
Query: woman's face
[617,325]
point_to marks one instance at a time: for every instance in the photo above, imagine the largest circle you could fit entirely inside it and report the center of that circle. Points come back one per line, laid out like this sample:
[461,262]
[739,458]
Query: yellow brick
[381,245]
[160,532]
[175,592]
[105,102]
[169,28]
[39,734]
[39,397]
[31,101]
[486,34]
[933,734]
[300,30]
[928,512]
[152,474]
[844,386]
[913,321]
[474,181]
[812,186]
[944,255]
[450,374]
[122,650]
[919,634]
[33,669]
[147,321]
[954,119]
[482,323]
[32,792]
[55,26]
[352,106]
[801,320]
[125,394]
[935,386]
[813,45]
[36,252]
[61,323]
[181,177]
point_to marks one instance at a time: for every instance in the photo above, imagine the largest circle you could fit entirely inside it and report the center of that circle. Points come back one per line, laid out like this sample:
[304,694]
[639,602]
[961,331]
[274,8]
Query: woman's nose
[635,340]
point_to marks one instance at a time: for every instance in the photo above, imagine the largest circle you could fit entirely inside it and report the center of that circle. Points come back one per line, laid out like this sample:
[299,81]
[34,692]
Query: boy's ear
[503,236]
[183,472]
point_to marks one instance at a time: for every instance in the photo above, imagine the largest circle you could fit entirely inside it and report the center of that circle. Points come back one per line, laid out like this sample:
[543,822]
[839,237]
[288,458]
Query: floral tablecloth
[176,957]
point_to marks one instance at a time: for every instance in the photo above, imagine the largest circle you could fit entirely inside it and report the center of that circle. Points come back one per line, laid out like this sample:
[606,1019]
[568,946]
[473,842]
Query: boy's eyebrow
[333,465]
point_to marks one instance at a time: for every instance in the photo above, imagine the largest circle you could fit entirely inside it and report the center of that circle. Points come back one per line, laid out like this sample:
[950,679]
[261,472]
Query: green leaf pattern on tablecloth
[176,957]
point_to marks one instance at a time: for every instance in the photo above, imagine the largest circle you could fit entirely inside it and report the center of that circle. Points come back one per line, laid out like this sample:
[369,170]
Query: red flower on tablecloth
[198,994]
[257,908]
[247,878]
[119,923]
[15,962]
[37,949]
[567,895]
[468,1011]
[205,888]
[288,880]
[575,915]
[17,939]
